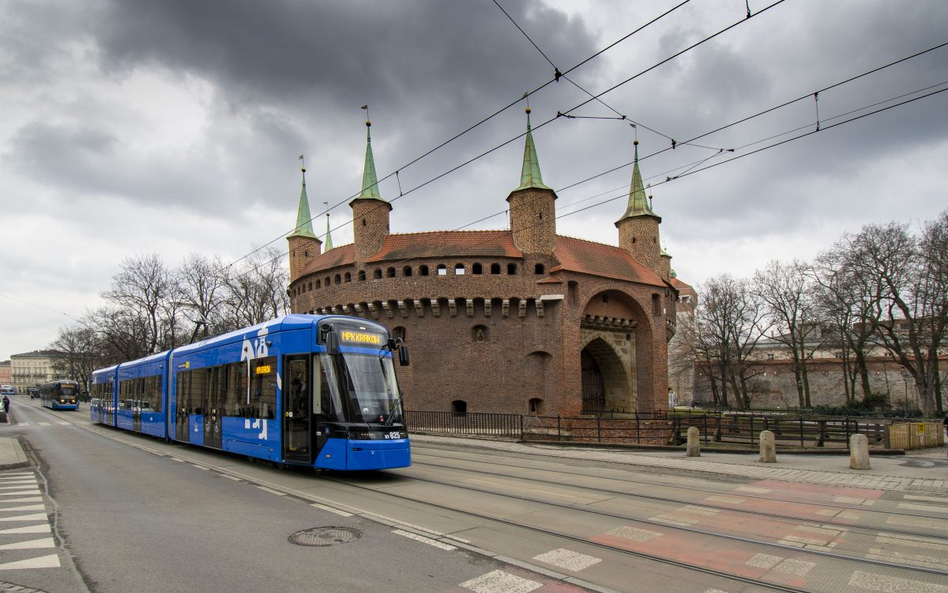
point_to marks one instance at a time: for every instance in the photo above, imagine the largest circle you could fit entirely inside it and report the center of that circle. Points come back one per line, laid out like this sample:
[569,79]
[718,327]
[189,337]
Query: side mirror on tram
[332,343]
[403,355]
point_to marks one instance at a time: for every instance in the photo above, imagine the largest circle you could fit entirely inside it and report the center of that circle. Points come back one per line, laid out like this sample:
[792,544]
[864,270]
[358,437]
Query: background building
[33,368]
[6,373]
[519,320]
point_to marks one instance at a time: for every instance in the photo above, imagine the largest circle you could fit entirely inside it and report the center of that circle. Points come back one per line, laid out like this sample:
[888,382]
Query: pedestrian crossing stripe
[27,499]
[50,561]
[20,493]
[19,487]
[28,507]
[33,544]
[43,528]
[35,517]
[19,480]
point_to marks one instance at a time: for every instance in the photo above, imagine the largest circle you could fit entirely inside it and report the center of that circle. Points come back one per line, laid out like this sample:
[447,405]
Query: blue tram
[305,390]
[60,395]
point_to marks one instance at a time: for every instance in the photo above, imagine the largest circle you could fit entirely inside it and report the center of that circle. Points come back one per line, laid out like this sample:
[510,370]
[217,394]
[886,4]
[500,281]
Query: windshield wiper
[397,408]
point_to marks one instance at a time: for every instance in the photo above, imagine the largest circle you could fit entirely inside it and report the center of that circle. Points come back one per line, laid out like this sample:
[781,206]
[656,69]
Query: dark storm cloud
[429,53]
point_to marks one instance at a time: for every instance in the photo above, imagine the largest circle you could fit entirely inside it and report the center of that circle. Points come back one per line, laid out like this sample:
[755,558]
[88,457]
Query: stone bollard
[694,442]
[859,452]
[768,447]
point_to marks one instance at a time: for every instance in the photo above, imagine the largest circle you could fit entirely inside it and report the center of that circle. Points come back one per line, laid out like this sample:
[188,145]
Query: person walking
[6,404]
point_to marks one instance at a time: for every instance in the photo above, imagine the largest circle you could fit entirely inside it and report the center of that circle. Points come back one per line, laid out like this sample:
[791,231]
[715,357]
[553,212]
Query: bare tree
[81,354]
[203,283]
[730,321]
[257,293]
[787,293]
[849,301]
[911,318]
[145,290]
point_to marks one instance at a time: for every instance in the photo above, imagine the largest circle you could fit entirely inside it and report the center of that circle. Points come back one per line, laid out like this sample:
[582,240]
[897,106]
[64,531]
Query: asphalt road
[132,518]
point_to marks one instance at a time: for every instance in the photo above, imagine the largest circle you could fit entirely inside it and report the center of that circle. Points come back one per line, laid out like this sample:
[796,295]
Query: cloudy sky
[174,126]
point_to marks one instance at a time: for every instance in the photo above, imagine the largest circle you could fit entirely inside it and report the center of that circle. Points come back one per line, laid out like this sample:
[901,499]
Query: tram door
[182,400]
[212,407]
[297,443]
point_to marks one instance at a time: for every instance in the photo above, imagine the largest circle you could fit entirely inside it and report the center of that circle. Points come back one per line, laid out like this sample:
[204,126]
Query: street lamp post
[905,378]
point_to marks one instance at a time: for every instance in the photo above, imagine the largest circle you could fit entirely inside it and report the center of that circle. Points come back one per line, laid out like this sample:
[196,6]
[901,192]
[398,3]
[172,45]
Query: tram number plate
[393,435]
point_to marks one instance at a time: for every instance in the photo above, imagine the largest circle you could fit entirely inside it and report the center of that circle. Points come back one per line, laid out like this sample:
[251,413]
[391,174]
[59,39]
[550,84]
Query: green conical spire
[638,202]
[328,236]
[530,177]
[370,183]
[304,223]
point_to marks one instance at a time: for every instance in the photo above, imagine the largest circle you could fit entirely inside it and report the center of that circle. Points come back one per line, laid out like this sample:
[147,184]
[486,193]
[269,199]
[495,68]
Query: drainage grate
[325,536]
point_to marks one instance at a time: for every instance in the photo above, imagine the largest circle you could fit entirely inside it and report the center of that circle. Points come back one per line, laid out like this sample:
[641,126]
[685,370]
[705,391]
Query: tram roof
[285,323]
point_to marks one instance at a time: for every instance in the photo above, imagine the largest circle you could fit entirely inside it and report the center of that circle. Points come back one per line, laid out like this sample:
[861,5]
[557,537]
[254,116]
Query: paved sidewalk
[925,471]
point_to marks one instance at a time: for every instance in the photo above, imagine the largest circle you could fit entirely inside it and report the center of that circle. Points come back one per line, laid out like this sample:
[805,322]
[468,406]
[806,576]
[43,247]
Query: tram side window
[236,392]
[263,388]
[183,380]
[196,392]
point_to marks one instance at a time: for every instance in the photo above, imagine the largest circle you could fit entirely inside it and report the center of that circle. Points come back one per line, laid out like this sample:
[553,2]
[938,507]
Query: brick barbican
[510,321]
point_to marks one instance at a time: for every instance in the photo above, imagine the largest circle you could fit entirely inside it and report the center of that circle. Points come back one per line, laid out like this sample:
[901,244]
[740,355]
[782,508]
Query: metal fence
[656,428]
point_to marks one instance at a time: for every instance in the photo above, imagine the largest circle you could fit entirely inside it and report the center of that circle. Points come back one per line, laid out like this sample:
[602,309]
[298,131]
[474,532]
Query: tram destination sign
[361,337]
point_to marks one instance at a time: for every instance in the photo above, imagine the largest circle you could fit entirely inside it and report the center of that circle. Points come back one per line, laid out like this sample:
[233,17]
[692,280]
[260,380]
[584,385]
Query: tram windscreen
[369,388]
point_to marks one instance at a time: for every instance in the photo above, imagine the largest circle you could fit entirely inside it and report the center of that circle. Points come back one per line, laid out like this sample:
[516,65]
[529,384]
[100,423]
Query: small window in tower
[363,222]
[319,283]
[479,333]
[377,274]
[495,268]
[338,279]
[459,270]
[442,270]
[459,407]
[541,215]
[538,269]
[477,269]
[406,271]
[348,277]
[423,271]
[633,240]
[361,275]
[511,269]
[390,272]
[310,286]
[305,253]
[536,405]
[654,239]
[328,280]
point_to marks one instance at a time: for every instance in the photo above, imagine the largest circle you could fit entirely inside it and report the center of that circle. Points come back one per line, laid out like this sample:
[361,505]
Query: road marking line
[230,477]
[499,581]
[18,481]
[639,535]
[34,517]
[925,498]
[764,561]
[795,567]
[27,499]
[568,559]
[33,544]
[51,561]
[20,493]
[18,487]
[727,499]
[330,509]
[43,424]
[754,490]
[886,584]
[271,491]
[43,528]
[694,509]
[424,540]
[922,507]
[29,507]
[918,522]
[200,467]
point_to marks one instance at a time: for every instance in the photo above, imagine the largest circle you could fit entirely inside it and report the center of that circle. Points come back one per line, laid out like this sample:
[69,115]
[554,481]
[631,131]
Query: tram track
[627,552]
[703,504]
[692,530]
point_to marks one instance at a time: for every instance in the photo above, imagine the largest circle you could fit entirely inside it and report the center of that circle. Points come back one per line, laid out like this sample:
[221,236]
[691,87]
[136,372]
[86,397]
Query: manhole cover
[325,536]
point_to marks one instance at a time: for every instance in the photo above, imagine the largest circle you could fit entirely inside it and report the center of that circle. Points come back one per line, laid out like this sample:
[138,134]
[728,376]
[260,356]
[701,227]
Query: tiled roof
[680,286]
[340,256]
[577,255]
[573,255]
[447,244]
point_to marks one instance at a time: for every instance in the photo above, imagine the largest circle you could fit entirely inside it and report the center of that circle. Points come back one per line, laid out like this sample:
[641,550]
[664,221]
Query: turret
[304,246]
[370,212]
[532,211]
[639,226]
